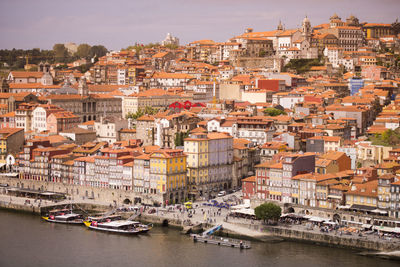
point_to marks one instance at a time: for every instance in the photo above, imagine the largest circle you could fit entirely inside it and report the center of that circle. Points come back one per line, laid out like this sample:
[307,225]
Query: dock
[207,237]
[222,241]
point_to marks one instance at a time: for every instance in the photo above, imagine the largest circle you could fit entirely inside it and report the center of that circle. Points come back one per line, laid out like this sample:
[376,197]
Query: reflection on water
[26,240]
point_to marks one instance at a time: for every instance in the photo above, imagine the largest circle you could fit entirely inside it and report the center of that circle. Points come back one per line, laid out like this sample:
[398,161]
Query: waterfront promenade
[207,216]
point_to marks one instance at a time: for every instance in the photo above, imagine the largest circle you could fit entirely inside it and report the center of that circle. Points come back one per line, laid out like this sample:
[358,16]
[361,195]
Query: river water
[26,240]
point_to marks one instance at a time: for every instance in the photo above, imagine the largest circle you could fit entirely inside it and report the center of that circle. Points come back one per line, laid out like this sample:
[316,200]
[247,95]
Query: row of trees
[273,112]
[61,53]
[140,112]
[139,47]
[16,58]
[387,138]
[302,65]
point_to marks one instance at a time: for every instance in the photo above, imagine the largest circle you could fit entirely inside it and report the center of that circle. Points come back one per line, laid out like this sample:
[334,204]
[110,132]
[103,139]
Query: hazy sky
[120,23]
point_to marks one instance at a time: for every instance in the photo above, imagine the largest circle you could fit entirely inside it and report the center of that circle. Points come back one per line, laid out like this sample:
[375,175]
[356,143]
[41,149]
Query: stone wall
[255,62]
[78,192]
[18,207]
[331,240]
[345,217]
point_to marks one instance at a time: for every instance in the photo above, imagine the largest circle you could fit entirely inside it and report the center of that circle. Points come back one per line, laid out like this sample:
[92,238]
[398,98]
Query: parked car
[221,194]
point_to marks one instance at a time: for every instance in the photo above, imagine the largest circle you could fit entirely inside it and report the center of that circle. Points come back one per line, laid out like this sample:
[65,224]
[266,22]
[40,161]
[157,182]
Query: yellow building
[11,142]
[363,196]
[210,163]
[322,191]
[377,30]
[196,147]
[168,171]
[384,193]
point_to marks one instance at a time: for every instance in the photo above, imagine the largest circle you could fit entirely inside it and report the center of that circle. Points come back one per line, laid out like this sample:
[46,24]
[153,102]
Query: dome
[335,16]
[306,20]
[66,89]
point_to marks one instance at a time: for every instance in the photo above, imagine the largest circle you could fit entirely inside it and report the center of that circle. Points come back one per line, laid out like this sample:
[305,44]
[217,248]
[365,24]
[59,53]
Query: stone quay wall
[17,207]
[78,192]
[332,240]
[350,217]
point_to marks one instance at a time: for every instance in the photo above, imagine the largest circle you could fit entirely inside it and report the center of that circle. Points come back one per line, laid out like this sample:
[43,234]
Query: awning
[344,207]
[367,226]
[331,223]
[292,215]
[379,211]
[362,207]
[353,222]
[333,196]
[387,229]
[317,219]
[241,206]
[245,211]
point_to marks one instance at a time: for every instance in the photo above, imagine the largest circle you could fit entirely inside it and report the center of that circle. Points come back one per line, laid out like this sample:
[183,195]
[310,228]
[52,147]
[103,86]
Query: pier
[207,237]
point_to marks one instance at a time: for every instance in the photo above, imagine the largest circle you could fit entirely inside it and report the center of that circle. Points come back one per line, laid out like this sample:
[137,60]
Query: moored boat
[114,223]
[116,226]
[63,216]
[144,228]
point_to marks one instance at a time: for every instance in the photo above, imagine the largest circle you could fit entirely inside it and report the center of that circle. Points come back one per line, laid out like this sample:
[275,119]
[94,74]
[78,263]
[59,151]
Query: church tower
[280,27]
[83,89]
[306,28]
[5,88]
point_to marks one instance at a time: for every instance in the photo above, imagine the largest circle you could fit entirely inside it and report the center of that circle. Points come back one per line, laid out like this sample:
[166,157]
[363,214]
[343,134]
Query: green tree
[140,112]
[60,53]
[83,51]
[268,212]
[303,65]
[178,139]
[387,138]
[98,51]
[273,112]
[171,46]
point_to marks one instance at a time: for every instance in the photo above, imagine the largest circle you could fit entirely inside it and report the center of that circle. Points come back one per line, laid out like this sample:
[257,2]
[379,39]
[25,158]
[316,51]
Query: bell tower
[280,27]
[83,89]
[5,88]
[306,28]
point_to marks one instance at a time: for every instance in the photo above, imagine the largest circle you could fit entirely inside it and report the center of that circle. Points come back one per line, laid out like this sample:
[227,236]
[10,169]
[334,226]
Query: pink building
[61,121]
[249,187]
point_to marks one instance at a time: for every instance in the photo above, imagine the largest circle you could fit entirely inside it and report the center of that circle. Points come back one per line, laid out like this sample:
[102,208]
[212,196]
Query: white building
[170,40]
[121,76]
[287,100]
[108,127]
[39,116]
[334,55]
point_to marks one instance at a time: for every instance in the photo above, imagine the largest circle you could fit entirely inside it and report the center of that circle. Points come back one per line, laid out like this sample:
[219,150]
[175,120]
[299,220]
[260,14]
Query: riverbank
[247,231]
[65,245]
[7,205]
[343,241]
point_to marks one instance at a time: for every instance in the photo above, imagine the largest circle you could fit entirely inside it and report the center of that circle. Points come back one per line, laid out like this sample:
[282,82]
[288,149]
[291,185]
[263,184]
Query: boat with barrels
[63,216]
[115,224]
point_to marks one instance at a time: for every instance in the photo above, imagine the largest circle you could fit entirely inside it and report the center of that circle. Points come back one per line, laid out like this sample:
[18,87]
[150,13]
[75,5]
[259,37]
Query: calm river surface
[26,240]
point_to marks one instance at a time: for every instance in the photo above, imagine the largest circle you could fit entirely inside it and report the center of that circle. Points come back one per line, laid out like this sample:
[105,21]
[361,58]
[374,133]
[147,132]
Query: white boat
[117,226]
[67,218]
